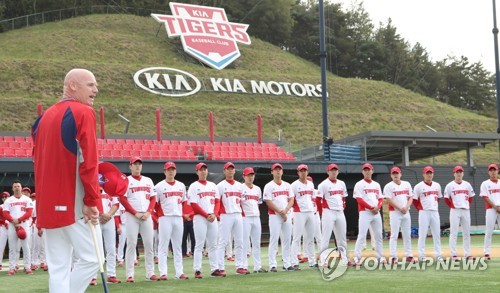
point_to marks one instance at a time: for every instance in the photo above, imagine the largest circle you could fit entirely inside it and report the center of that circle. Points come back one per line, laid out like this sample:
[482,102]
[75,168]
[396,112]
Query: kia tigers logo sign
[205,32]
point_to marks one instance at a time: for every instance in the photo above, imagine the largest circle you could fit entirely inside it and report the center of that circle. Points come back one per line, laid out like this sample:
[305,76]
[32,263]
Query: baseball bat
[99,259]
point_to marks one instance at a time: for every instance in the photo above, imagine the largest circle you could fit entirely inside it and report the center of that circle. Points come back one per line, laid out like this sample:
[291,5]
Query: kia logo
[167,81]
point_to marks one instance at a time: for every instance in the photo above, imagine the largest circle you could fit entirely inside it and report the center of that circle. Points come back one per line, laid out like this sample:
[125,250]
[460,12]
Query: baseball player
[3,228]
[187,215]
[303,219]
[490,193]
[317,235]
[204,198]
[121,229]
[252,229]
[171,197]
[36,239]
[231,220]
[279,198]
[426,195]
[331,197]
[399,195]
[139,202]
[368,194]
[17,210]
[458,195]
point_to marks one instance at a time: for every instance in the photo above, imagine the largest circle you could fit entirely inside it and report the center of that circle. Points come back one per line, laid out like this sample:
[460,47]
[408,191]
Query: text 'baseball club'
[205,32]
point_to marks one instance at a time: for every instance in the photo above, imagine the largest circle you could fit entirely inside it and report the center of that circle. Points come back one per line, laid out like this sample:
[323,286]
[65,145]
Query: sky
[442,27]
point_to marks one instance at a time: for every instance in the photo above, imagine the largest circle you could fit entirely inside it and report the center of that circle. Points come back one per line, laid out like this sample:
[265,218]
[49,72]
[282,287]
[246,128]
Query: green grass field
[306,280]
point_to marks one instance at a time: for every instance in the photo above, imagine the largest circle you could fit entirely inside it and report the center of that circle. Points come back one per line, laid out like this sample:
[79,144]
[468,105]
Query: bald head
[80,84]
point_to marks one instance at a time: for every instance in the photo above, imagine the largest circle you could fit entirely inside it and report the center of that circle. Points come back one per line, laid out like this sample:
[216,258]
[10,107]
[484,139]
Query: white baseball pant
[459,217]
[334,221]
[170,228]
[205,230]
[122,239]
[134,227]
[426,219]
[156,242]
[252,230]
[303,225]
[401,221]
[492,217]
[13,242]
[230,225]
[368,219]
[108,231]
[279,229]
[61,244]
[3,241]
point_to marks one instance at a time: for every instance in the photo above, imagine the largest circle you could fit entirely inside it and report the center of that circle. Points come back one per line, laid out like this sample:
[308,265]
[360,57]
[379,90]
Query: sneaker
[28,272]
[349,264]
[242,271]
[34,267]
[120,264]
[46,268]
[410,259]
[113,279]
[42,265]
[215,273]
[183,277]
[296,267]
[11,272]
[261,270]
[304,259]
[163,278]
[230,258]
[130,280]
[93,282]
[153,278]
[222,273]
[274,270]
[290,268]
[487,256]
[394,261]
[197,275]
[314,266]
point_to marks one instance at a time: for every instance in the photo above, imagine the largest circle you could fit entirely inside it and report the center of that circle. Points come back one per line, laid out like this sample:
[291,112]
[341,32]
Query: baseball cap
[169,165]
[227,165]
[135,159]
[33,195]
[395,170]
[494,166]
[302,167]
[115,183]
[21,233]
[428,169]
[458,168]
[332,166]
[248,170]
[6,193]
[309,178]
[367,166]
[201,165]
[276,165]
[26,189]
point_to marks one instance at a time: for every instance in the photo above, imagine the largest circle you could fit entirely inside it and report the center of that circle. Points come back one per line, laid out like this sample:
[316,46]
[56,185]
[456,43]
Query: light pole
[322,57]
[497,67]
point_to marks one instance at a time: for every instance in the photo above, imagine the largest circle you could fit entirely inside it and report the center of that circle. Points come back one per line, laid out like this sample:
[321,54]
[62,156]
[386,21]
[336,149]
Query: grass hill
[34,60]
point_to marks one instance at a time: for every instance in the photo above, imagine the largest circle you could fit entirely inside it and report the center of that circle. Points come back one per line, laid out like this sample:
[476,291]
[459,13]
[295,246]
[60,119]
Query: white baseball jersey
[333,194]
[459,194]
[204,195]
[17,206]
[33,214]
[399,193]
[491,189]
[428,195]
[170,197]
[230,196]
[108,201]
[251,198]
[121,213]
[139,192]
[370,192]
[279,194]
[304,194]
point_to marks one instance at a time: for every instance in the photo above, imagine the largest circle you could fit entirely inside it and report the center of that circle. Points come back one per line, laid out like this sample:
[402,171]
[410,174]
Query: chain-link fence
[61,14]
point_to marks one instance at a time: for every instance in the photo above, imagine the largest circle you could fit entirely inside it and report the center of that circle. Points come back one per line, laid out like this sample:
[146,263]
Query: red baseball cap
[26,189]
[33,195]
[6,193]
[115,182]
[332,166]
[227,165]
[169,165]
[201,165]
[428,169]
[276,165]
[21,233]
[367,166]
[247,171]
[135,159]
[302,167]
[395,170]
[309,178]
[458,168]
[492,166]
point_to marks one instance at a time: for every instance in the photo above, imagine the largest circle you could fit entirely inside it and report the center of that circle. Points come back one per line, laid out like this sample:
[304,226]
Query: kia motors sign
[205,32]
[167,81]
